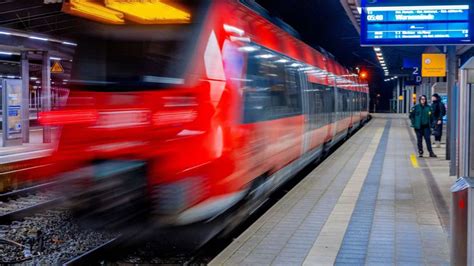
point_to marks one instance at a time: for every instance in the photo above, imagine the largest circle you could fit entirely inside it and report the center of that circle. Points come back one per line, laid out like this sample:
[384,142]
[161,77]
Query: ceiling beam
[350,6]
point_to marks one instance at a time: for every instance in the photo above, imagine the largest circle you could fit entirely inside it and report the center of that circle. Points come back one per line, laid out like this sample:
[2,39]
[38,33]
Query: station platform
[371,202]
[27,151]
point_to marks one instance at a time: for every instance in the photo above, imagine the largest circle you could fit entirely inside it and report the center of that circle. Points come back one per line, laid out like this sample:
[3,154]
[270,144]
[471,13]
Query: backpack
[442,109]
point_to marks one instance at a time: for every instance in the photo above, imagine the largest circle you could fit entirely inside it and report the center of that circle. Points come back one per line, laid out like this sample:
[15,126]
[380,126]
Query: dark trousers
[438,131]
[424,132]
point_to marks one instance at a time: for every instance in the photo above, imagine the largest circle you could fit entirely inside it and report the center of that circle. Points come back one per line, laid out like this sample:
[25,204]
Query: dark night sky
[324,23]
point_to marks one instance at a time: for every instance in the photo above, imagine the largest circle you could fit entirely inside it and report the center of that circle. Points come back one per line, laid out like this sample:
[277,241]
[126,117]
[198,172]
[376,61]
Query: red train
[219,110]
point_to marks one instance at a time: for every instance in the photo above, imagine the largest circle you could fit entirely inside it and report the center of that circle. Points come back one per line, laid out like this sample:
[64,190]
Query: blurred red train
[220,110]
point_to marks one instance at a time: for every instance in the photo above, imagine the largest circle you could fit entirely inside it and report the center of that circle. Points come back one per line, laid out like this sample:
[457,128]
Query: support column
[407,99]
[451,125]
[25,101]
[46,93]
[398,95]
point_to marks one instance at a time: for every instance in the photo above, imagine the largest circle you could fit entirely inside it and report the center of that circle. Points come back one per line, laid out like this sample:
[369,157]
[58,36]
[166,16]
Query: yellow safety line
[414,161]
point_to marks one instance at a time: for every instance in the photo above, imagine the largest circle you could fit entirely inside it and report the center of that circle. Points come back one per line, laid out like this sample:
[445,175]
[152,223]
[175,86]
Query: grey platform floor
[372,202]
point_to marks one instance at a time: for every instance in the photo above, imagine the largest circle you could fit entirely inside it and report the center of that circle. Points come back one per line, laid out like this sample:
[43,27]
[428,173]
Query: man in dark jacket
[420,116]
[439,111]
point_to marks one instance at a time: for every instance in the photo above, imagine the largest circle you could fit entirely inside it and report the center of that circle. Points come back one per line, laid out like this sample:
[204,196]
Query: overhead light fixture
[377,49]
[70,43]
[38,38]
[295,65]
[55,58]
[5,33]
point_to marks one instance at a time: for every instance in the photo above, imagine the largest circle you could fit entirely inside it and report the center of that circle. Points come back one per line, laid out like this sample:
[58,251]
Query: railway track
[21,203]
[52,237]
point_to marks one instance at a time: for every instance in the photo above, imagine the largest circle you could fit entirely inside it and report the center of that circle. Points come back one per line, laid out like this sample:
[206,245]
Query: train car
[220,107]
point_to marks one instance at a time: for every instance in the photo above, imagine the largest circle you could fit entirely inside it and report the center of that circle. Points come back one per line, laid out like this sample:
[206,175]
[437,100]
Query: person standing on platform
[439,111]
[420,116]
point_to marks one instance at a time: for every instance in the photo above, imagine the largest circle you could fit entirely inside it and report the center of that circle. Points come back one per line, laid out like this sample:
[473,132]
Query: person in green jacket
[420,116]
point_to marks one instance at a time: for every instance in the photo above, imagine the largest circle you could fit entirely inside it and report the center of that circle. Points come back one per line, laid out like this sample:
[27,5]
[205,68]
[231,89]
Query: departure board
[383,24]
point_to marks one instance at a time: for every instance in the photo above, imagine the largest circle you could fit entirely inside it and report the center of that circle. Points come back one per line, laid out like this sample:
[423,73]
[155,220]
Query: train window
[132,56]
[293,89]
[317,105]
[272,88]
[257,99]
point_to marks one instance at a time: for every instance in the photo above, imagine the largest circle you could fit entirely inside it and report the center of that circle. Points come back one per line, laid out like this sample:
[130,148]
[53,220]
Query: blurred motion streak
[192,123]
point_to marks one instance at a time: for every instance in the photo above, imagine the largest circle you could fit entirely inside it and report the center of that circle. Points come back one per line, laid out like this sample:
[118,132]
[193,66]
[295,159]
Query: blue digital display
[385,24]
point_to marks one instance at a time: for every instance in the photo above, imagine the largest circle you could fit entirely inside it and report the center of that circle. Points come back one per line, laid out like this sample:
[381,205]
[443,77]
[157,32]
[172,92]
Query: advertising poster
[12,107]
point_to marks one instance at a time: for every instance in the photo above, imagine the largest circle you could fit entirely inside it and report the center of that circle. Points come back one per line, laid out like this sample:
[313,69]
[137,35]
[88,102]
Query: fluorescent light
[33,78]
[377,49]
[10,77]
[5,33]
[281,61]
[38,38]
[6,53]
[295,65]
[55,58]
[69,43]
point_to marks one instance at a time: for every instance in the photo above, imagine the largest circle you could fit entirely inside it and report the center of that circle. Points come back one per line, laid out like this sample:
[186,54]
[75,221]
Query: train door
[305,101]
[337,110]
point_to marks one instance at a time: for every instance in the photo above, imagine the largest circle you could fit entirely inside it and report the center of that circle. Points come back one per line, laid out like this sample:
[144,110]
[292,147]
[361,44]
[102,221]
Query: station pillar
[46,93]
[25,102]
[451,112]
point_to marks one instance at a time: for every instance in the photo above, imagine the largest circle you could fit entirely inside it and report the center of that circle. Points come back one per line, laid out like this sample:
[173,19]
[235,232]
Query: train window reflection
[273,89]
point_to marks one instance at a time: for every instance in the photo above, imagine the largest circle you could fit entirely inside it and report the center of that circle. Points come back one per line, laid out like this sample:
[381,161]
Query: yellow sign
[57,68]
[433,65]
[400,97]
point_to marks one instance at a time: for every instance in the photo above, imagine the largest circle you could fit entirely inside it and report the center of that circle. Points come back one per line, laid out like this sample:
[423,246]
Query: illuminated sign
[384,23]
[57,68]
[433,65]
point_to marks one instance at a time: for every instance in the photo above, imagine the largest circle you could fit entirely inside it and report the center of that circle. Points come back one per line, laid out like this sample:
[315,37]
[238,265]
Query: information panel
[12,97]
[386,23]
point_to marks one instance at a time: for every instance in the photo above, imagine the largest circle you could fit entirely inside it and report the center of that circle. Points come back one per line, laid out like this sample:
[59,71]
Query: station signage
[416,23]
[433,65]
